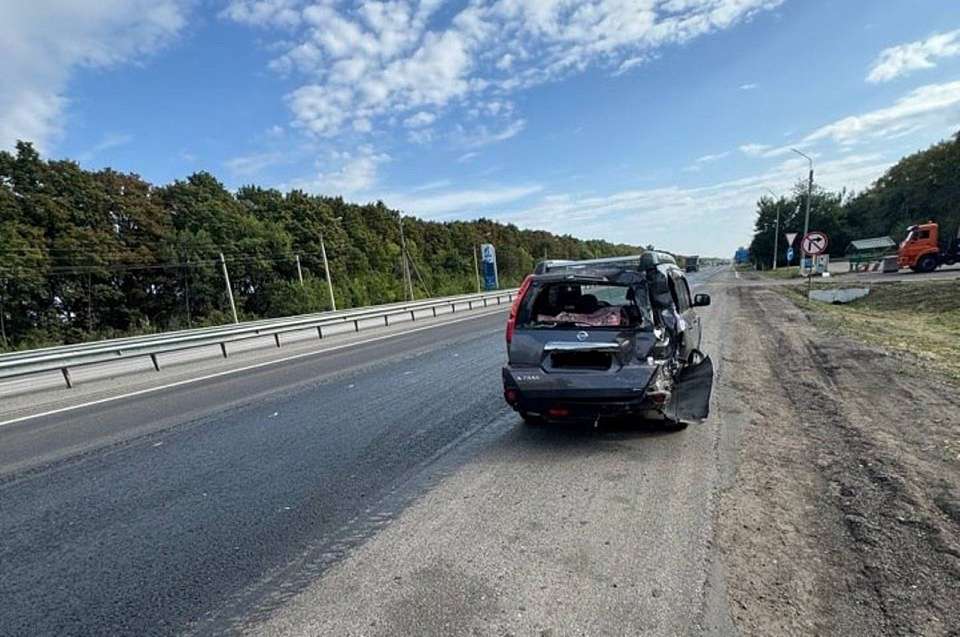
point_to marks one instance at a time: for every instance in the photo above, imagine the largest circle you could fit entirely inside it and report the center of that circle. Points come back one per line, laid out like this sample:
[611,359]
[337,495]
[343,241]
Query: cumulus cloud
[376,60]
[903,59]
[343,173]
[43,42]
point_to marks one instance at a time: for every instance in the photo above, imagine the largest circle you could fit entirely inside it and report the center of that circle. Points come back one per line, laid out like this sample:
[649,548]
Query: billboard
[488,255]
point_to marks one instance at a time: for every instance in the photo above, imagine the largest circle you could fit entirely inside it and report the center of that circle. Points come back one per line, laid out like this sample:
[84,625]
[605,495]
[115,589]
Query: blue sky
[631,120]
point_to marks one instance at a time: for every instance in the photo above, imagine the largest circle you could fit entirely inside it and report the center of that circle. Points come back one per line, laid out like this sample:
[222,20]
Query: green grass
[788,272]
[919,318]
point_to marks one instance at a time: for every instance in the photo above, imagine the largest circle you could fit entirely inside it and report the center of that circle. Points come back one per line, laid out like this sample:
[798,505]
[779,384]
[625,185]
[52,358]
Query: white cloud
[354,173]
[483,136]
[930,105]
[714,157]
[748,87]
[462,202]
[904,58]
[661,215]
[464,158]
[250,165]
[110,140]
[43,42]
[281,13]
[754,150]
[380,60]
[419,120]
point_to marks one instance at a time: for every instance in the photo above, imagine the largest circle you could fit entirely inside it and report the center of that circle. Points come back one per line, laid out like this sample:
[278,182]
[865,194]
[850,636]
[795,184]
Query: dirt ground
[844,516]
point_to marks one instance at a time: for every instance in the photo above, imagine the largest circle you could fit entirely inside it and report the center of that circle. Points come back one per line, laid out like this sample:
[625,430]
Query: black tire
[927,263]
[530,420]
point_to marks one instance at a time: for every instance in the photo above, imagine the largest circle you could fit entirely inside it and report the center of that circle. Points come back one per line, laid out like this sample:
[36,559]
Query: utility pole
[299,271]
[776,233]
[476,267]
[406,266]
[226,280]
[326,271]
[186,292]
[3,324]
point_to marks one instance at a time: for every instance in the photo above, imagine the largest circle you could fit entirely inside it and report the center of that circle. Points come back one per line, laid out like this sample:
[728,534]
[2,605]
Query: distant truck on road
[692,263]
[921,250]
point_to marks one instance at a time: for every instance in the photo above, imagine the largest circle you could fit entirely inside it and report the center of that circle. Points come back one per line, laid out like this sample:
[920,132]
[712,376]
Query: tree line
[920,187]
[97,254]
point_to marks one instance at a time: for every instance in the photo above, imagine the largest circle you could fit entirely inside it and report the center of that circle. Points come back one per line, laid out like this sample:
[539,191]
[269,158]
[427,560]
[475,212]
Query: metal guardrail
[64,358]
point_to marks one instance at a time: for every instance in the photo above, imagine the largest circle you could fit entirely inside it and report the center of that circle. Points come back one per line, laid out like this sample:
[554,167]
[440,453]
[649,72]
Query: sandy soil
[844,516]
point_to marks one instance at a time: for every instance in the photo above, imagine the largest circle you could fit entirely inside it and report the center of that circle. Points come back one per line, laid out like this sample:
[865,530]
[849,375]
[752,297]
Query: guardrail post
[276,337]
[413,315]
[156,364]
[469,305]
[484,301]
[223,348]
[356,325]
[320,332]
[434,308]
[66,377]
[386,319]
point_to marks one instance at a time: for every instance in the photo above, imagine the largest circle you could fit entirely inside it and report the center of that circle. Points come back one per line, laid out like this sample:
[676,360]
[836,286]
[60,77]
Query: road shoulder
[843,517]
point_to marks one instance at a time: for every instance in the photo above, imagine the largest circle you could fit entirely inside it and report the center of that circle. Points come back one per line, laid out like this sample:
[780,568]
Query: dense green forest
[920,187]
[94,254]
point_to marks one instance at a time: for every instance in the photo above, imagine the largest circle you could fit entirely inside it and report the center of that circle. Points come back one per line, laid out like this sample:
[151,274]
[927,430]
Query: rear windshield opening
[573,304]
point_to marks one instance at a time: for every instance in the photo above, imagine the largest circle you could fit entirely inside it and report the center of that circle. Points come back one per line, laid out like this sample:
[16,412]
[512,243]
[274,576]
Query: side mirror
[701,300]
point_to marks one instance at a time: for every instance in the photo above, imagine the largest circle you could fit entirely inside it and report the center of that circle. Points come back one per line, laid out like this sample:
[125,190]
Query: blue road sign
[790,254]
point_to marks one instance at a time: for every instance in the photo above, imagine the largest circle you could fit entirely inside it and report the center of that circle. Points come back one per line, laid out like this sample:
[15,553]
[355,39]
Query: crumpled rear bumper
[579,395]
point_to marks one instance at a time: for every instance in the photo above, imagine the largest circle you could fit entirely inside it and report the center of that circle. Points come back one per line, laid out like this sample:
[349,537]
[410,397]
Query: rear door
[559,330]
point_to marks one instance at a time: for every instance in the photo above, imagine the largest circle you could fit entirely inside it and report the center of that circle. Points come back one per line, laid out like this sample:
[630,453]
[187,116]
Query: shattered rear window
[578,304]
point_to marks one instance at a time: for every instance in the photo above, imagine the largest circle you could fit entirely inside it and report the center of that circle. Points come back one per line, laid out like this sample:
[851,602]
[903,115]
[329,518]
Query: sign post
[813,244]
[489,257]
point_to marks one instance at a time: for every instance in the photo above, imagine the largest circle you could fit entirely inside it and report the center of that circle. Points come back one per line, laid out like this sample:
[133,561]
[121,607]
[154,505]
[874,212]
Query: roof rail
[645,261]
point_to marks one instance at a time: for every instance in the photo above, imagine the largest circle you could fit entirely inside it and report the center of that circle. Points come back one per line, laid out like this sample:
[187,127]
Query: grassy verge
[790,272]
[922,319]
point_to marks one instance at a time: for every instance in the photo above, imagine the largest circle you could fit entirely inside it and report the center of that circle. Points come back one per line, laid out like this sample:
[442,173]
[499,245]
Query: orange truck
[921,250]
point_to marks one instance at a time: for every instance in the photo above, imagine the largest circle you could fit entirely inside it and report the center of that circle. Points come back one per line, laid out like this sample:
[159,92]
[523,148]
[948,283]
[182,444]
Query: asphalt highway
[378,489]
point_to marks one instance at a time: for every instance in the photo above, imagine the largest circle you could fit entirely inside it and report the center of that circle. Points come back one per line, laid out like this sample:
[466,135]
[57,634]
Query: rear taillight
[512,321]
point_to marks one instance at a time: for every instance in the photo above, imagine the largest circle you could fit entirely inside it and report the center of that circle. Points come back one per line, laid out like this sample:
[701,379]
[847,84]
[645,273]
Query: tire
[927,263]
[530,420]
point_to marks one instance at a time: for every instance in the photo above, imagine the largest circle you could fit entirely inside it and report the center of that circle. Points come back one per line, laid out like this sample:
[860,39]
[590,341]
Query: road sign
[790,237]
[490,276]
[790,255]
[814,243]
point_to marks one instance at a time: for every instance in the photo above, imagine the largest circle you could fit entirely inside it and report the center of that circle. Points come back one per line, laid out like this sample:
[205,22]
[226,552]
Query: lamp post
[776,233]
[806,215]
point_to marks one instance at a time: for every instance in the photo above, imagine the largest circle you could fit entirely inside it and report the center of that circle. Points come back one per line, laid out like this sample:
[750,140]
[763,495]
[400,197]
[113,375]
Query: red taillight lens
[512,321]
[558,412]
[511,396]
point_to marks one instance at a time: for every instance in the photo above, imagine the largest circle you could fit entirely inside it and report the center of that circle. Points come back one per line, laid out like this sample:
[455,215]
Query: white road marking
[238,370]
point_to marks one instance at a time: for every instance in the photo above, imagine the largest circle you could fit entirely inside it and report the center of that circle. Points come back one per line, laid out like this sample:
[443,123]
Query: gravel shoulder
[844,516]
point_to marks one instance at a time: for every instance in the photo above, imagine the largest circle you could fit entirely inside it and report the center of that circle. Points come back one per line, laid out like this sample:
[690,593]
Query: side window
[686,292]
[923,234]
[681,295]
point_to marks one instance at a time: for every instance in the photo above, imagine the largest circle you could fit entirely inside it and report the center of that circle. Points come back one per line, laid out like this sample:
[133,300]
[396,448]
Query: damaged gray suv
[607,338]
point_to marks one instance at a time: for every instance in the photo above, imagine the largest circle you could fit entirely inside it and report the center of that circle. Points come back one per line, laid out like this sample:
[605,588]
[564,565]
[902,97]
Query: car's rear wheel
[532,420]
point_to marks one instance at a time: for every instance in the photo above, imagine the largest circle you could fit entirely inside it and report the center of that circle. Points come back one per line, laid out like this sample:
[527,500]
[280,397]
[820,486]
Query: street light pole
[776,233]
[806,215]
